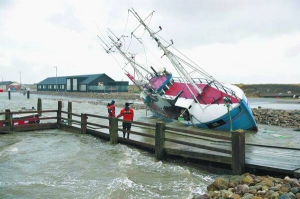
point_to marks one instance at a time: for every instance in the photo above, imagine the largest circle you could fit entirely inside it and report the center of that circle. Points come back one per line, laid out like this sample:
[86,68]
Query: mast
[131,62]
[170,55]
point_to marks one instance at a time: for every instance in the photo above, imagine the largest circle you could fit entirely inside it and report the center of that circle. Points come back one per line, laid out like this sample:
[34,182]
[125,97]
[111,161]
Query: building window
[82,87]
[100,83]
[49,86]
[74,84]
[62,87]
[44,86]
[68,84]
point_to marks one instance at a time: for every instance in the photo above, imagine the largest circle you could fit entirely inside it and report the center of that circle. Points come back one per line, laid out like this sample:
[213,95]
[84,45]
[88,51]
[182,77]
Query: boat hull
[238,118]
[219,116]
[22,119]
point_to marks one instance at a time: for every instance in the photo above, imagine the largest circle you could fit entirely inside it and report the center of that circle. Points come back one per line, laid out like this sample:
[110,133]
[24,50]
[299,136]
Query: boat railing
[213,83]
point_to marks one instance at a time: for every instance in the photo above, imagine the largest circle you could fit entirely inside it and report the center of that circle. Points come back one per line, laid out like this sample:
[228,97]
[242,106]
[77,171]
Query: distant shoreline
[111,96]
[132,96]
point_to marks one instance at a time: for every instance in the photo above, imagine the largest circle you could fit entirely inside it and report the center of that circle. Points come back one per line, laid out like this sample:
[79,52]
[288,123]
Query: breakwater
[277,117]
[125,95]
[249,186]
[130,97]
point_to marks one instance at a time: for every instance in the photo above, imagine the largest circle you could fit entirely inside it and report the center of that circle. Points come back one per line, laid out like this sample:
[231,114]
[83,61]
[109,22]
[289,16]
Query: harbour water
[58,164]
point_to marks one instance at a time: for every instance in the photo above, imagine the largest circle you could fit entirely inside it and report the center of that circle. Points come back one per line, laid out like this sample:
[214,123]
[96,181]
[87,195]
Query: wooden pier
[228,151]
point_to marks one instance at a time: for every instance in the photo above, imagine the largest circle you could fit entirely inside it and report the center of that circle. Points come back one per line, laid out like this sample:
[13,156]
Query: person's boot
[127,135]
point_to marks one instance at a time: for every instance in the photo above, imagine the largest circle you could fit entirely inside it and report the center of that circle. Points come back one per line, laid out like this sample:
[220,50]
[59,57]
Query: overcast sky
[250,42]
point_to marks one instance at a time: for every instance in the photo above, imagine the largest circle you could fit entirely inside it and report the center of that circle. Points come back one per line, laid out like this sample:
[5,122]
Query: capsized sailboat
[192,97]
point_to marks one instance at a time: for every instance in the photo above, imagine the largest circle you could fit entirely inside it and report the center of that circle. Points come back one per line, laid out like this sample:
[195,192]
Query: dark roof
[6,83]
[63,80]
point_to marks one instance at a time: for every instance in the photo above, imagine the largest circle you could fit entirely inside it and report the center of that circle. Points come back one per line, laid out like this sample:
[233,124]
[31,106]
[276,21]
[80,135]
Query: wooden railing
[158,138]
[10,122]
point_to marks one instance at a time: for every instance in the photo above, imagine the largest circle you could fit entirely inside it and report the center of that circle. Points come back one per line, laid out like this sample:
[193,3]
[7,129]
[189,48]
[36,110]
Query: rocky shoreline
[274,117]
[249,186]
[277,117]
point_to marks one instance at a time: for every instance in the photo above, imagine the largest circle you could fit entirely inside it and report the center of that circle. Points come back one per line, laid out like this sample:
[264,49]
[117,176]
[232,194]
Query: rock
[247,179]
[262,187]
[287,196]
[241,189]
[234,196]
[269,193]
[294,190]
[274,195]
[235,180]
[267,182]
[226,194]
[211,187]
[204,196]
[274,188]
[221,183]
[247,196]
[284,189]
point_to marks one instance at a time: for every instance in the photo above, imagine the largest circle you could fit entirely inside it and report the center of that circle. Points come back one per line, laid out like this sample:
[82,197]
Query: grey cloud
[190,22]
[68,20]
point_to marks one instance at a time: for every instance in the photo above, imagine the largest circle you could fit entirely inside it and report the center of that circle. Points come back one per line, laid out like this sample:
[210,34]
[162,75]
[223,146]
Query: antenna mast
[170,55]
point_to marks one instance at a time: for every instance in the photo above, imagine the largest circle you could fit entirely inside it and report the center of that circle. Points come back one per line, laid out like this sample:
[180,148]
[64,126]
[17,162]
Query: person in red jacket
[127,113]
[111,109]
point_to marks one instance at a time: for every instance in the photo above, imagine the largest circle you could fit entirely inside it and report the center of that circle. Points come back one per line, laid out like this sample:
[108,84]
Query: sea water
[59,164]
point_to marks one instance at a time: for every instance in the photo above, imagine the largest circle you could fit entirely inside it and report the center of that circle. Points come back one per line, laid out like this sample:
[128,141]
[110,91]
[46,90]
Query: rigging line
[199,68]
[134,14]
[154,56]
[217,83]
[187,86]
[126,23]
[191,66]
[195,65]
[128,45]
[117,61]
[145,54]
[148,24]
[124,33]
[102,34]
[151,63]
[208,77]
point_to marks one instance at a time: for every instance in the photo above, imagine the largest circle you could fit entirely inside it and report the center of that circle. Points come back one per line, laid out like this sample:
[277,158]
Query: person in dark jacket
[128,114]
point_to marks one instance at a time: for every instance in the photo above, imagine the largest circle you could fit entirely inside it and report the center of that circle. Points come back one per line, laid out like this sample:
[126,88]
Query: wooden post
[39,106]
[9,95]
[59,113]
[8,116]
[69,113]
[113,139]
[160,140]
[28,94]
[83,122]
[238,152]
